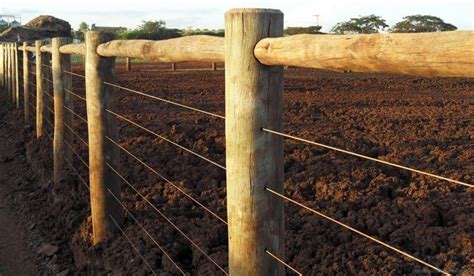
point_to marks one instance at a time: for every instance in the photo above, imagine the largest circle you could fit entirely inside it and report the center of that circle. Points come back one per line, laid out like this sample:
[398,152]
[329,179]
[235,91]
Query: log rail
[444,54]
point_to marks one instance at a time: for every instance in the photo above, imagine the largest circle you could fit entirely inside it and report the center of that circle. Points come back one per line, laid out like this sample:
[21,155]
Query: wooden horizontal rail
[78,49]
[199,48]
[28,48]
[46,48]
[444,54]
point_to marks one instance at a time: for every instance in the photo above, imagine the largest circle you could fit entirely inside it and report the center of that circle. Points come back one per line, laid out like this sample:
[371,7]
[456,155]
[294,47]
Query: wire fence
[281,195]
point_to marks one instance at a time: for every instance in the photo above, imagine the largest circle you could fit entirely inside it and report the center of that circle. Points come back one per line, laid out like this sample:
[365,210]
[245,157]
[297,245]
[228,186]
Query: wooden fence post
[61,81]
[39,90]
[26,83]
[2,83]
[17,75]
[214,67]
[128,64]
[3,65]
[9,69]
[13,71]
[173,66]
[101,125]
[254,159]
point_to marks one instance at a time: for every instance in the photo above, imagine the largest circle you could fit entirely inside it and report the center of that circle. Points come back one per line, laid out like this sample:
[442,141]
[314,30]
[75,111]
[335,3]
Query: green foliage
[83,27]
[361,25]
[152,26]
[303,30]
[152,30]
[422,23]
[219,32]
[79,33]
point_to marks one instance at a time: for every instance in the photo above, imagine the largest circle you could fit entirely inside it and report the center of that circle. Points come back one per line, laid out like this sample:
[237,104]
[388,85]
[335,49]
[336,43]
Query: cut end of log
[248,10]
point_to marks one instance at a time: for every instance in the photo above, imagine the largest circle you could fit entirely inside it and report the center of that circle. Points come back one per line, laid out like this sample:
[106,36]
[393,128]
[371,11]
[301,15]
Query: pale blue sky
[210,14]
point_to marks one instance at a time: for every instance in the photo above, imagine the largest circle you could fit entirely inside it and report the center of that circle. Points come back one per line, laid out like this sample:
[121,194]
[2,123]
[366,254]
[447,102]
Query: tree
[79,34]
[422,23]
[362,25]
[153,30]
[189,31]
[83,27]
[152,26]
[303,30]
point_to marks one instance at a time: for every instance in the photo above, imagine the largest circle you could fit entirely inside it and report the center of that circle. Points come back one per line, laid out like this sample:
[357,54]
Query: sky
[210,14]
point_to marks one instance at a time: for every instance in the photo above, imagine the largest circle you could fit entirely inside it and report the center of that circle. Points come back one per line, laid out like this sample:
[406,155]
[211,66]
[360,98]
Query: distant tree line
[157,30]
[410,24]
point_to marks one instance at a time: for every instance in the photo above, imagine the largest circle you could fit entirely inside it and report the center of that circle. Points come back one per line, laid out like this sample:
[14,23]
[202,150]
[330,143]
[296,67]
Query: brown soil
[419,122]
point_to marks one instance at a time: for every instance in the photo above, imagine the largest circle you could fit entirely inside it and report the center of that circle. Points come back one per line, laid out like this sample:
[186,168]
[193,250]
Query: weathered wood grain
[78,49]
[254,159]
[444,54]
[199,48]
[101,125]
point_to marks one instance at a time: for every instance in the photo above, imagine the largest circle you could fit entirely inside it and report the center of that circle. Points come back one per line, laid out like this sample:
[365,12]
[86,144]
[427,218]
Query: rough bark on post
[39,90]
[128,64]
[26,83]
[17,75]
[254,159]
[101,151]
[61,81]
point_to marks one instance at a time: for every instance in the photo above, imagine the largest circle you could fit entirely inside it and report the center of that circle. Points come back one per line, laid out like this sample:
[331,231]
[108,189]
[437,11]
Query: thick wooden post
[173,66]
[128,64]
[39,90]
[214,67]
[101,124]
[61,81]
[254,159]
[17,75]
[26,83]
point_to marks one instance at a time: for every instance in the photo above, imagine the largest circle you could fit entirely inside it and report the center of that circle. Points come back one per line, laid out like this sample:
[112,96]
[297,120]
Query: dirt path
[15,255]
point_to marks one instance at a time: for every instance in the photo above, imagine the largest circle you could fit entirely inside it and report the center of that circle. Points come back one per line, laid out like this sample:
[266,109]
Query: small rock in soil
[48,249]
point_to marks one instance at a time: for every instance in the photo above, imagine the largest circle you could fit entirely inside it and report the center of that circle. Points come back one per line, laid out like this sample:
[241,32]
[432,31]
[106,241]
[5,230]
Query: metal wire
[77,173]
[356,231]
[166,180]
[75,153]
[368,158]
[74,94]
[146,232]
[133,246]
[74,113]
[47,66]
[76,134]
[283,262]
[49,109]
[74,74]
[166,218]
[166,139]
[48,80]
[49,122]
[166,101]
